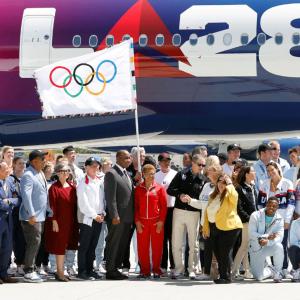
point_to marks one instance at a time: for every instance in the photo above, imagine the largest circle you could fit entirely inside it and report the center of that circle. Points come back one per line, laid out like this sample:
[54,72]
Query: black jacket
[185,183]
[247,202]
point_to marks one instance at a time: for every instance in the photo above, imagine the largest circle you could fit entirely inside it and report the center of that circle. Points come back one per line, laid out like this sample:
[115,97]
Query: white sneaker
[277,277]
[203,277]
[20,271]
[32,278]
[286,274]
[72,272]
[125,271]
[101,269]
[296,276]
[11,271]
[42,272]
[192,276]
[164,273]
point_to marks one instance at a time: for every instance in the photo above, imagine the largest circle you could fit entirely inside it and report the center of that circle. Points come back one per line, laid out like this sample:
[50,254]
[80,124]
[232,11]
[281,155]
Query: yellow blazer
[226,217]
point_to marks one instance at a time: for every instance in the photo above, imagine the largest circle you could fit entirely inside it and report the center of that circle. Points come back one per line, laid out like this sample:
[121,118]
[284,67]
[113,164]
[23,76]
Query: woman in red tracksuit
[150,214]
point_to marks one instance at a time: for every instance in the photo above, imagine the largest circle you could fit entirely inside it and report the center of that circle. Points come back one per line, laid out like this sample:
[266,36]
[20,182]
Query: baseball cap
[92,160]
[233,147]
[264,148]
[36,153]
[164,155]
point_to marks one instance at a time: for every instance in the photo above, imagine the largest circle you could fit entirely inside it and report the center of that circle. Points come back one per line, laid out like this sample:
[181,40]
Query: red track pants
[149,234]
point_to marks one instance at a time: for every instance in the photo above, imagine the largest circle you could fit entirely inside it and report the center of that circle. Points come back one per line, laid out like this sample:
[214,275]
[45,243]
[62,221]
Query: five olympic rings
[84,83]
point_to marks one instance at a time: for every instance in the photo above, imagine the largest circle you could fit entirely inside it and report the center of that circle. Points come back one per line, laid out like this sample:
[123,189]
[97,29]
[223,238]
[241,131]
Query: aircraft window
[210,39]
[261,38]
[126,37]
[159,40]
[143,40]
[244,39]
[296,38]
[278,38]
[193,39]
[109,40]
[227,39]
[176,40]
[93,41]
[76,41]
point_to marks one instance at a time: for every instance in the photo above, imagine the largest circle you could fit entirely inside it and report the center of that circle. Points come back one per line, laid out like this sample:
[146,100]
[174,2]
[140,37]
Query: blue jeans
[99,252]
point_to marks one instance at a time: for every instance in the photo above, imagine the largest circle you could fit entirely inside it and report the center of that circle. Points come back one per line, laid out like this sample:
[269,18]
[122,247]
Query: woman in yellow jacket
[222,225]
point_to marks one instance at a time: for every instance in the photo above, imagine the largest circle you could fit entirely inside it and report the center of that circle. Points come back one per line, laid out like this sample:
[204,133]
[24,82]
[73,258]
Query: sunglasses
[64,171]
[201,165]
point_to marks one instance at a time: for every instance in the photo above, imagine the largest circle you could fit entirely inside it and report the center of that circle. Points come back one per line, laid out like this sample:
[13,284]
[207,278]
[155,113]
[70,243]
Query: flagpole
[137,137]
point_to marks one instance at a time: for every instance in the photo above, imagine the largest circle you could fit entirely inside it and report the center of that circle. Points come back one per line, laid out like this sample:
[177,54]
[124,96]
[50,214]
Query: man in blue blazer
[8,200]
[33,211]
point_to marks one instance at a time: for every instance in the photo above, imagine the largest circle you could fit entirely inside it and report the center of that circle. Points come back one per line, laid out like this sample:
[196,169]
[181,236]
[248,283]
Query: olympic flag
[96,83]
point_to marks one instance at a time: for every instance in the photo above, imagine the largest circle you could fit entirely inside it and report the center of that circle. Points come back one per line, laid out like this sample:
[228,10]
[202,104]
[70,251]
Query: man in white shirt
[91,212]
[70,154]
[233,154]
[293,173]
[276,156]
[164,177]
[264,152]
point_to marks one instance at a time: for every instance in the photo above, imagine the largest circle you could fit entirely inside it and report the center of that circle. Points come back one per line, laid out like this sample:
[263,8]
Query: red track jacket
[150,204]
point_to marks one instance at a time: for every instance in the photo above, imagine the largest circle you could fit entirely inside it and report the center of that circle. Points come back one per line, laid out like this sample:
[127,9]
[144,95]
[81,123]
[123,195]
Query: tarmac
[134,289]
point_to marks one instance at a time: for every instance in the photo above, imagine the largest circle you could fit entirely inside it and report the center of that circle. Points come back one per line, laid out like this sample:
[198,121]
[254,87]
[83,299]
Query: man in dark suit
[118,191]
[8,199]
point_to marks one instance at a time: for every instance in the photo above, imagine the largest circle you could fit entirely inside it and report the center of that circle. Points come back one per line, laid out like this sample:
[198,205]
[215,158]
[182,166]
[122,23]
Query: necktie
[127,177]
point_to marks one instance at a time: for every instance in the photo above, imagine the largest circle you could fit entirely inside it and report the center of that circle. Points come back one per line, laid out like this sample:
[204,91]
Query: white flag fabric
[96,83]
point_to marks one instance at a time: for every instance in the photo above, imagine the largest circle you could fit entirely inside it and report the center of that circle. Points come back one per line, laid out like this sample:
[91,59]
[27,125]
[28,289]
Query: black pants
[116,243]
[19,244]
[88,239]
[222,245]
[5,244]
[126,260]
[42,257]
[285,245]
[167,250]
[208,253]
[294,255]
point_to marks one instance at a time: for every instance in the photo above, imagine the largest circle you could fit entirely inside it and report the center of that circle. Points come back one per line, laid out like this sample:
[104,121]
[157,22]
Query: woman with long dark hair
[283,190]
[247,204]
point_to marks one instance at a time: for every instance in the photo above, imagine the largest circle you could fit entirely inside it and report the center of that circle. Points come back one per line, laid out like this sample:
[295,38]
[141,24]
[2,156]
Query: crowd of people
[218,218]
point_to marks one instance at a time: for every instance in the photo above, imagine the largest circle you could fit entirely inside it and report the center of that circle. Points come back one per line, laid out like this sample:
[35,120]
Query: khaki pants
[242,254]
[189,220]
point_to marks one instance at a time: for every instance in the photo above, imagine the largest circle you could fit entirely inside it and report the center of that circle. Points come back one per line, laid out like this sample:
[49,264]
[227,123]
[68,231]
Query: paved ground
[133,289]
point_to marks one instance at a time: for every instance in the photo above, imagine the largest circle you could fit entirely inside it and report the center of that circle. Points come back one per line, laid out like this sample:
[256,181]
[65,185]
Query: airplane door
[36,40]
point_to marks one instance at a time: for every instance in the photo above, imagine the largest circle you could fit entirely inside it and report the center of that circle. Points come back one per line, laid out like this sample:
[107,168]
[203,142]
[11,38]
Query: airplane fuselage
[202,67]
